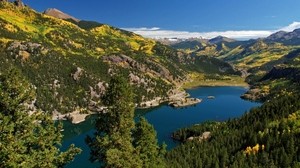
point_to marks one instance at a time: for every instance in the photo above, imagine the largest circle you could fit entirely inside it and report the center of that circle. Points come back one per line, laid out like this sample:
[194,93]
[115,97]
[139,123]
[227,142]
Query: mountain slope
[70,66]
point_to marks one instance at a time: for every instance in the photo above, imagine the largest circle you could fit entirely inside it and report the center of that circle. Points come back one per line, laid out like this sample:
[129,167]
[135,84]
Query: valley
[215,102]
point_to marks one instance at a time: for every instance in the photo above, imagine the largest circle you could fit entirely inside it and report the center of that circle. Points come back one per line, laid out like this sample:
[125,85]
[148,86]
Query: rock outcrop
[205,136]
[23,50]
[79,72]
[184,102]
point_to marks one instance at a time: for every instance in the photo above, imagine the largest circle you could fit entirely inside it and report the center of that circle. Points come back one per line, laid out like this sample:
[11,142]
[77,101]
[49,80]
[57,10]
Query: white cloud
[291,27]
[142,29]
[156,32]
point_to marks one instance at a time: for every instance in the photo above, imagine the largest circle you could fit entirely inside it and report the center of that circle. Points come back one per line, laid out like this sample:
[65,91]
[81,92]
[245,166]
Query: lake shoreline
[180,94]
[215,84]
[200,81]
[77,117]
[165,119]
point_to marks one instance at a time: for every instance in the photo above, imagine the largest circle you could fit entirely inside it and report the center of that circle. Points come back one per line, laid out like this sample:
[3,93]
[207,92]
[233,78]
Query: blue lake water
[226,104]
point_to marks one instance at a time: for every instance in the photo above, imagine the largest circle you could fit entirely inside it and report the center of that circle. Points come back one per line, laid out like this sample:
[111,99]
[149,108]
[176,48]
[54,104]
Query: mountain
[59,14]
[256,58]
[81,23]
[70,63]
[191,44]
[220,39]
[276,36]
[287,38]
[204,47]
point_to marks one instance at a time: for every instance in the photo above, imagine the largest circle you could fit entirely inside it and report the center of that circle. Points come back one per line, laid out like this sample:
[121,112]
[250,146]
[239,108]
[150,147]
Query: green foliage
[272,127]
[27,140]
[146,144]
[88,24]
[65,46]
[15,92]
[114,144]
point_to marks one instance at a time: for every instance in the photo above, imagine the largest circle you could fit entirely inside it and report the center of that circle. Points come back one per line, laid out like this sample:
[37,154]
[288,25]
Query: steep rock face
[59,14]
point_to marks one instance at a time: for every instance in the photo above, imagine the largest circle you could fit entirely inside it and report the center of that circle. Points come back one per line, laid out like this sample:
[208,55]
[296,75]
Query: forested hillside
[70,63]
[267,136]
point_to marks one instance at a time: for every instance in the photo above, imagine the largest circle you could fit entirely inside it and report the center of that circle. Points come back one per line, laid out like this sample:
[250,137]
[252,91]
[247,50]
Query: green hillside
[70,64]
[266,136]
[256,58]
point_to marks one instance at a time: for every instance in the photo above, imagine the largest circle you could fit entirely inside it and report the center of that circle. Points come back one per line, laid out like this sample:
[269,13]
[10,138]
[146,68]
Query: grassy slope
[199,79]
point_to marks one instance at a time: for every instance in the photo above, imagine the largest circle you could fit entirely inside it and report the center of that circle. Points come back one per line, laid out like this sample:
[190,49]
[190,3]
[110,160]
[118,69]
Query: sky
[239,19]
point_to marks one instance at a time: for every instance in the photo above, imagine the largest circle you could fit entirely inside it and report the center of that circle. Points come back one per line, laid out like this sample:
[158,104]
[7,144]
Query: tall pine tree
[112,143]
[117,142]
[27,140]
[145,142]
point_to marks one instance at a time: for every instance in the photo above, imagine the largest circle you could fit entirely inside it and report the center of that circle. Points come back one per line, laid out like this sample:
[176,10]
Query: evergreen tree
[27,140]
[146,143]
[117,141]
[112,143]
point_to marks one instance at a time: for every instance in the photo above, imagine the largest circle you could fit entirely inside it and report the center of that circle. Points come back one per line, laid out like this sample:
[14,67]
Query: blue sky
[190,17]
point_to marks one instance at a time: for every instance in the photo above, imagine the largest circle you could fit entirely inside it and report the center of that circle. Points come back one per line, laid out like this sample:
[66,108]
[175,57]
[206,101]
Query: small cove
[165,119]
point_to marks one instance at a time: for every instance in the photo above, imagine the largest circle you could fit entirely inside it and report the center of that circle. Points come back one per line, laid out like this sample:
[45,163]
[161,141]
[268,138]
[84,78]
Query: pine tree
[117,141]
[27,140]
[146,143]
[112,143]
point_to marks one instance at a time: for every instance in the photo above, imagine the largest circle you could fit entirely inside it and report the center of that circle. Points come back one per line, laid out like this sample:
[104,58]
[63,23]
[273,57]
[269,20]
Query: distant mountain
[276,36]
[255,56]
[214,46]
[59,14]
[190,44]
[169,41]
[287,38]
[81,23]
[220,39]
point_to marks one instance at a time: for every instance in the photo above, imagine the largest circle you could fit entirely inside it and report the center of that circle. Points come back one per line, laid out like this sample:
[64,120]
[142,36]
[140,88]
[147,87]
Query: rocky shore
[74,117]
[185,102]
[176,98]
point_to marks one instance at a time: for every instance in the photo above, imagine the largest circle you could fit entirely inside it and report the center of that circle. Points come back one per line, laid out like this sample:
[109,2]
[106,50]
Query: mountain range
[255,58]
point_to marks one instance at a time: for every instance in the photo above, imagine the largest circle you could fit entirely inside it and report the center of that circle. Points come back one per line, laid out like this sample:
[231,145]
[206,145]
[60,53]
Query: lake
[165,119]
